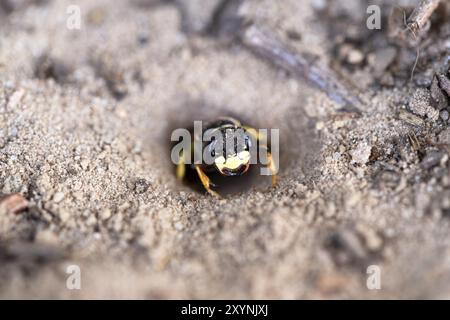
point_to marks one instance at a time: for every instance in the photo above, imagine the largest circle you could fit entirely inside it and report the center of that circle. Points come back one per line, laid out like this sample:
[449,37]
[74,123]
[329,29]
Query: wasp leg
[270,163]
[272,168]
[181,167]
[206,182]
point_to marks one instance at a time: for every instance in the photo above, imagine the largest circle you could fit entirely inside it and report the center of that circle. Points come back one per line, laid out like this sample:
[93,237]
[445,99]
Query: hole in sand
[298,149]
[224,185]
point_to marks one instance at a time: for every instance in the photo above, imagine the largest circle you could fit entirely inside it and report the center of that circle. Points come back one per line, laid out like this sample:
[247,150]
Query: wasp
[236,156]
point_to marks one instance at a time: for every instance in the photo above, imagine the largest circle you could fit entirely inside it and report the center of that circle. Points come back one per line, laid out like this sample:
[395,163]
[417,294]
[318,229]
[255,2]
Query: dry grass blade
[421,15]
[264,44]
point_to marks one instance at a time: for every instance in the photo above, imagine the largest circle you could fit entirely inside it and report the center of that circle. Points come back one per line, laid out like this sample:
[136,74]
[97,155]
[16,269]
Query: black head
[231,150]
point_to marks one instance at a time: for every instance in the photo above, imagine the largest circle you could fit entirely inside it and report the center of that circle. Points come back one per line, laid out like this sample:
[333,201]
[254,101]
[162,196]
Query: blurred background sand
[85,117]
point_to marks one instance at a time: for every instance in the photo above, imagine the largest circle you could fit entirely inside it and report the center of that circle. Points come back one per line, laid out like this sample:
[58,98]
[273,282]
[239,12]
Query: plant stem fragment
[421,15]
[266,45]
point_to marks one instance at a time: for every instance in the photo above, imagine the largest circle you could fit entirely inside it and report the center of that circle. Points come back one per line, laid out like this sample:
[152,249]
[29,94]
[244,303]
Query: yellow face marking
[233,162]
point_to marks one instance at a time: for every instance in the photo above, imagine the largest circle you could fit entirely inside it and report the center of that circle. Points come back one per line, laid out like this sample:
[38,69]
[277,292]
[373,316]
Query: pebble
[432,159]
[91,220]
[355,57]
[444,83]
[178,226]
[13,203]
[97,236]
[420,104]
[444,115]
[46,236]
[58,197]
[196,15]
[383,58]
[444,136]
[438,95]
[361,153]
[64,215]
[105,214]
[13,131]
[320,125]
[319,5]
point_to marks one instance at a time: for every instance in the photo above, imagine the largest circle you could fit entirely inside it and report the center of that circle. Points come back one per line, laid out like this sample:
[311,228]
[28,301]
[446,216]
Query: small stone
[91,221]
[46,236]
[437,95]
[319,5]
[58,197]
[15,99]
[178,226]
[444,136]
[13,131]
[444,115]
[383,59]
[338,124]
[361,153]
[204,217]
[13,203]
[105,214]
[196,15]
[118,222]
[355,57]
[444,82]
[137,148]
[432,159]
[320,125]
[444,160]
[64,215]
[420,104]
[121,113]
[387,79]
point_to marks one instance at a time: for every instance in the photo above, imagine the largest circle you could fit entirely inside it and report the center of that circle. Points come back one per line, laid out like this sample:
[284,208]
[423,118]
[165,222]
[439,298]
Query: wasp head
[231,154]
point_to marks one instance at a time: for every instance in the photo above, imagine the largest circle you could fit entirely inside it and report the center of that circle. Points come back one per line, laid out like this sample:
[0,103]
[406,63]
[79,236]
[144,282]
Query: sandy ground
[85,118]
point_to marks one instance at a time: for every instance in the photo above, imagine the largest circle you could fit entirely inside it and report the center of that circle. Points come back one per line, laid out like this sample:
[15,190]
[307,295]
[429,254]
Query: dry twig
[421,15]
[264,44]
